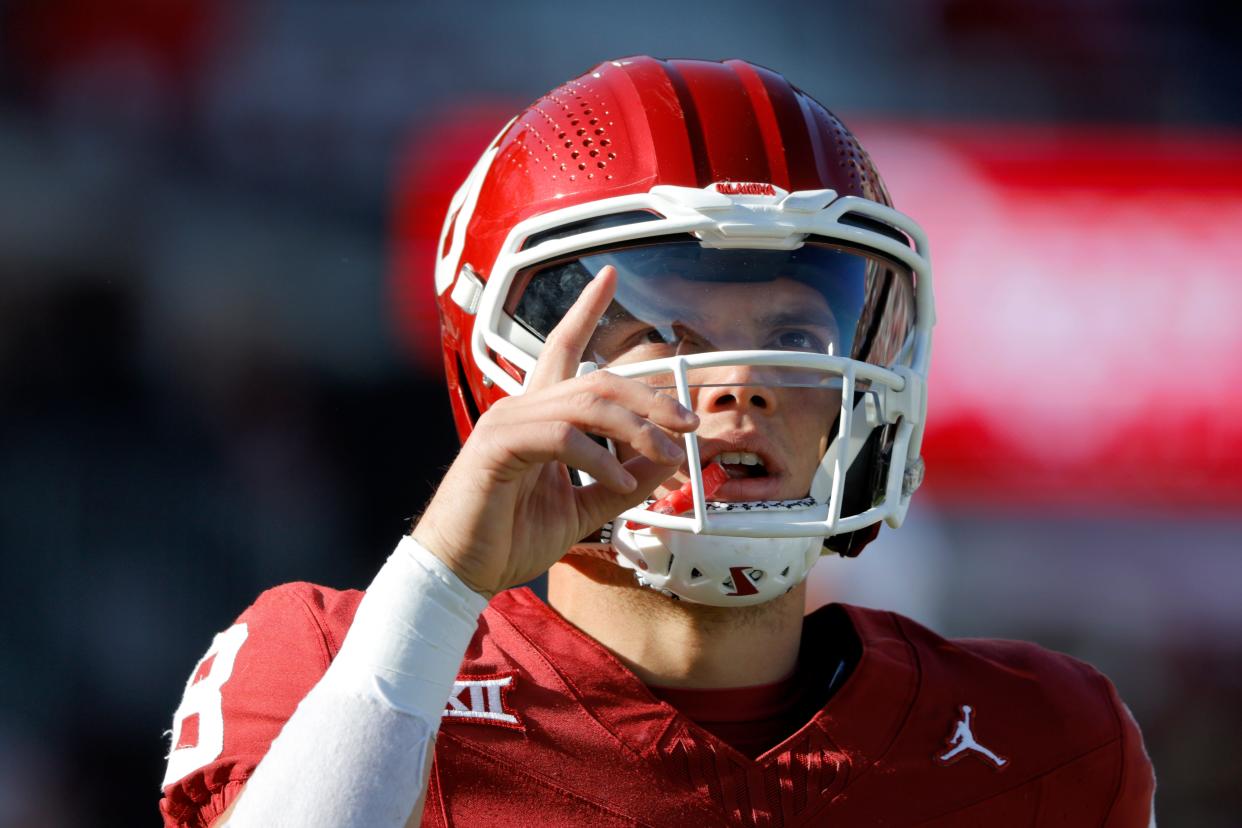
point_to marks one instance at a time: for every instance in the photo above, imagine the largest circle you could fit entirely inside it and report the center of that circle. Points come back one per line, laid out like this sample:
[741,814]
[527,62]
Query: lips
[755,488]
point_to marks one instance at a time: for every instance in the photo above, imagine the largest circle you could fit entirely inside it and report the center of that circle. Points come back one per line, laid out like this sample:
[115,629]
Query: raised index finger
[562,351]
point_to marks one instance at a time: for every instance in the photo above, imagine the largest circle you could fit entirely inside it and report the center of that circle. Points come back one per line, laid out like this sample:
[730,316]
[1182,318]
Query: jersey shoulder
[1048,719]
[1050,687]
[243,689]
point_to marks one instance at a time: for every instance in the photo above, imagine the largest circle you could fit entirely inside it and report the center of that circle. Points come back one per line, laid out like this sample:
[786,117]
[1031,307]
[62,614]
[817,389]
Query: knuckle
[561,434]
[586,400]
[496,409]
[665,398]
[661,403]
[564,334]
[642,393]
[598,381]
[650,433]
[483,425]
[554,341]
[496,416]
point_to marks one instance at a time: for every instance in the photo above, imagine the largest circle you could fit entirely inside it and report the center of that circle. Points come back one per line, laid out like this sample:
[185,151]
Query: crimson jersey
[546,727]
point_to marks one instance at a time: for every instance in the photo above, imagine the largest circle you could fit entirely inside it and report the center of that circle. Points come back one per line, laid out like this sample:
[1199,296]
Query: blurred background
[219,366]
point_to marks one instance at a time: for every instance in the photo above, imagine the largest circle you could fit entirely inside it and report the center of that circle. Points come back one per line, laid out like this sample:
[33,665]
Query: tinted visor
[678,297]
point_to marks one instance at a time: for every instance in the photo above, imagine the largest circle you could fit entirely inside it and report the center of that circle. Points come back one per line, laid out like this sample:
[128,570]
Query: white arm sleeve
[355,751]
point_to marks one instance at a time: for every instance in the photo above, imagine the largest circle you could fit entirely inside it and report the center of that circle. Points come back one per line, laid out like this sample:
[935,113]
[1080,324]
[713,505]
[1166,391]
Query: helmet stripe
[693,125]
[769,126]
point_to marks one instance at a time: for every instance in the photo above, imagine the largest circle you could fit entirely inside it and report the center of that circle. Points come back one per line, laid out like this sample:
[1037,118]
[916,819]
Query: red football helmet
[701,181]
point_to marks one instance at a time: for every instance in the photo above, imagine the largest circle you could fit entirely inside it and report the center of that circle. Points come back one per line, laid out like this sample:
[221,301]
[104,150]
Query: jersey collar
[858,724]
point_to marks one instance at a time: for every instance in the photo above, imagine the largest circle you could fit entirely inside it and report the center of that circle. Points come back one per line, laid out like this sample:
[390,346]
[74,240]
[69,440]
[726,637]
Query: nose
[735,388]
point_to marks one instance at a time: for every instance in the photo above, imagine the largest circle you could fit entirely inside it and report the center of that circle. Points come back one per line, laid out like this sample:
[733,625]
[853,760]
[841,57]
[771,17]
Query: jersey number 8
[198,724]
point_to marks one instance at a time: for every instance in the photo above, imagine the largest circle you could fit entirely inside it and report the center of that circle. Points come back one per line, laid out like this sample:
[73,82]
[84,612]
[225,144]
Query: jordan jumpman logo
[963,740]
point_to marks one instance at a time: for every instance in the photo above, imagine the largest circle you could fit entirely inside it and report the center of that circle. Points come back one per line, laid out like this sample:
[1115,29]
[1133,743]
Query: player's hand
[506,510]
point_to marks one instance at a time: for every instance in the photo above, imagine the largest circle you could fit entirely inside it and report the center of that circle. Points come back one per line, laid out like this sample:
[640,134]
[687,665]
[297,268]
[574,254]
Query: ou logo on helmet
[461,208]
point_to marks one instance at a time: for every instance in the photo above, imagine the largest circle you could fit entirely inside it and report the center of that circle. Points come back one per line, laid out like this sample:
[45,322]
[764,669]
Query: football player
[686,337]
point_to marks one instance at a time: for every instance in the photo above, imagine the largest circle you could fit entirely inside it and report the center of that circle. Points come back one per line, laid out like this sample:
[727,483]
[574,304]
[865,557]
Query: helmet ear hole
[461,399]
[467,396]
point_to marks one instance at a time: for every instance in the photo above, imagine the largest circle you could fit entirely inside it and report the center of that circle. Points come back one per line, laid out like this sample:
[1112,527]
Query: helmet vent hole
[785,572]
[694,573]
[864,222]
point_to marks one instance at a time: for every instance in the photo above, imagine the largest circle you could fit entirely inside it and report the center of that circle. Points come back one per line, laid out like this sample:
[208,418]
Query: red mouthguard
[682,500]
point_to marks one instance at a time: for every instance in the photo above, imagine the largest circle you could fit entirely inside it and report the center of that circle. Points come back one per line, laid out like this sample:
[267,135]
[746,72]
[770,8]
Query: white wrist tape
[356,750]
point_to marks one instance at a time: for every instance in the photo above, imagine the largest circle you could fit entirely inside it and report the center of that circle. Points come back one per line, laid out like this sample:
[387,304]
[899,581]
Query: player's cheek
[817,411]
[810,415]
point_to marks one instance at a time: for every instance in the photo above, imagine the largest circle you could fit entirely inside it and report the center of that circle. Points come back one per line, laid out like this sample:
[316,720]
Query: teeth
[733,458]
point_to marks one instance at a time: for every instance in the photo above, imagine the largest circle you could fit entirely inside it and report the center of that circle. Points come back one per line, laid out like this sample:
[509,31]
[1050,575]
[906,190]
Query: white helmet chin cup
[717,570]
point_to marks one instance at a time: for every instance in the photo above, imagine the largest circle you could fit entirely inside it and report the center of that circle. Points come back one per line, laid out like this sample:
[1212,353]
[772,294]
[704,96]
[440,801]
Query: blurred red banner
[1089,291]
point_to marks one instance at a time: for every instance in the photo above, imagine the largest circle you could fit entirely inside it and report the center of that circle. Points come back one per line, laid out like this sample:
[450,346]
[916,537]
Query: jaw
[678,643]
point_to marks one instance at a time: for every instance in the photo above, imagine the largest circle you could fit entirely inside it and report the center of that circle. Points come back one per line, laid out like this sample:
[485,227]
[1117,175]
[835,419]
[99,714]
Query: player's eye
[654,336]
[800,340]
